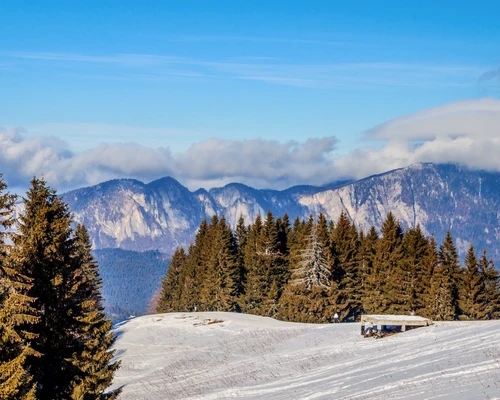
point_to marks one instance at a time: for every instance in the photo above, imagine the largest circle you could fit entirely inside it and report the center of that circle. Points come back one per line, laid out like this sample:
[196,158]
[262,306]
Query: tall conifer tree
[380,285]
[92,335]
[491,282]
[15,311]
[65,285]
[284,229]
[472,289]
[241,238]
[409,274]
[170,291]
[254,278]
[273,263]
[43,252]
[297,240]
[346,272]
[313,269]
[307,296]
[429,265]
[368,244]
[445,282]
[222,283]
[191,275]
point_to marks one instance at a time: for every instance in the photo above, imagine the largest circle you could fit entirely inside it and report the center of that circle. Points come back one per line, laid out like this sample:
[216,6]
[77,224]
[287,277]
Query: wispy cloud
[361,75]
[129,60]
[261,39]
[297,82]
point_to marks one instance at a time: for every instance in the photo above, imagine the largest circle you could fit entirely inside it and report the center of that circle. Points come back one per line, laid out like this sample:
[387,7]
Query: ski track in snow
[183,356]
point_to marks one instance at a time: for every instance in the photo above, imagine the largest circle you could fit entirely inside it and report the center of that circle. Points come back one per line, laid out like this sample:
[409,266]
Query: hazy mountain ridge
[164,214]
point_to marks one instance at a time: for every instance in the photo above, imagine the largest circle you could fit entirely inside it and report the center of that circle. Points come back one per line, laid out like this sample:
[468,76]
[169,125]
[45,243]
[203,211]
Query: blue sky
[310,91]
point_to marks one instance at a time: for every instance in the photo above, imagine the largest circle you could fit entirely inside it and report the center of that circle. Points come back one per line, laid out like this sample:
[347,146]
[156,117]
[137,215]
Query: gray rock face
[164,214]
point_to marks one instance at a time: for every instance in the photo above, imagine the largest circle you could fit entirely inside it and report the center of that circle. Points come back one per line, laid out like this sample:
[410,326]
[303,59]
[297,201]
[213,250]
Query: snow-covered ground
[236,356]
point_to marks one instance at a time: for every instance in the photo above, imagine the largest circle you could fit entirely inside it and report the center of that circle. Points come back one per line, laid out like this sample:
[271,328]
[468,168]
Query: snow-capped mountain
[164,214]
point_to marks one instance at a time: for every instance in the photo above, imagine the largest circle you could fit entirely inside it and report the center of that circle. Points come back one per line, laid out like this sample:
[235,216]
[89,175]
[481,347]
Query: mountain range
[163,214]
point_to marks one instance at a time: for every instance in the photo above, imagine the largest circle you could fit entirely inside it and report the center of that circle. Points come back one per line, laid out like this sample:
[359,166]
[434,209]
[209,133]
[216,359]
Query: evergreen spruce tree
[491,282]
[267,271]
[91,330]
[429,265]
[254,278]
[15,311]
[324,237]
[409,275]
[313,269]
[471,296]
[324,233]
[206,273]
[346,272]
[307,296]
[222,284]
[273,263]
[445,282]
[368,244]
[241,232]
[441,305]
[46,252]
[284,229]
[15,379]
[191,274]
[300,305]
[297,241]
[241,238]
[170,292]
[380,284]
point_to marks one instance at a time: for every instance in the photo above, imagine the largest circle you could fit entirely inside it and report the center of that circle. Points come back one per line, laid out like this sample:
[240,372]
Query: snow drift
[236,356]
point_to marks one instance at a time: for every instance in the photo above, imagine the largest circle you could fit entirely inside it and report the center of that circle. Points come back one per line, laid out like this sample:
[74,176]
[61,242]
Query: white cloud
[266,161]
[466,132]
[478,118]
[259,162]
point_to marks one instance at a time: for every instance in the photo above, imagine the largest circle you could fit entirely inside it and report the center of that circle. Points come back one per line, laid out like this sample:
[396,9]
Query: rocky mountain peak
[164,214]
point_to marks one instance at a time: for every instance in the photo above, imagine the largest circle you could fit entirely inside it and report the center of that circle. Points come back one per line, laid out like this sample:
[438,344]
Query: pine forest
[307,271]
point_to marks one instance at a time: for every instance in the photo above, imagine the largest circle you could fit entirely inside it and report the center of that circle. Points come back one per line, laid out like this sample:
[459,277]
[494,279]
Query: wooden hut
[378,324]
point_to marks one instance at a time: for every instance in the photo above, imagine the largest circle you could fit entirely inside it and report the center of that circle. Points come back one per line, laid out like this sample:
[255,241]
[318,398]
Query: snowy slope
[193,356]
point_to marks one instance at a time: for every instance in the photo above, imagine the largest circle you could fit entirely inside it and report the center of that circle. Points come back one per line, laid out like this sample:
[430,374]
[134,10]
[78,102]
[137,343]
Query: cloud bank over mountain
[465,132]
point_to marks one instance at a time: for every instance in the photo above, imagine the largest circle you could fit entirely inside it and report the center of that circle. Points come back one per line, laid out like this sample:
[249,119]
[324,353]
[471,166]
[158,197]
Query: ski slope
[237,356]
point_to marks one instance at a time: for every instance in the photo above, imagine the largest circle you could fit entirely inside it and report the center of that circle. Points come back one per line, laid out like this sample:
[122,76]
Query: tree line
[55,339]
[308,270]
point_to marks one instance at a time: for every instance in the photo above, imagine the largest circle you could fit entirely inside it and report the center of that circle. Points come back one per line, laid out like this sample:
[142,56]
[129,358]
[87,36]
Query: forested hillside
[130,279]
[308,270]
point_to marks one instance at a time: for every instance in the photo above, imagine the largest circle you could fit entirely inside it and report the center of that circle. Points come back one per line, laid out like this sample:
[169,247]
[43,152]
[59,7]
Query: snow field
[236,356]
